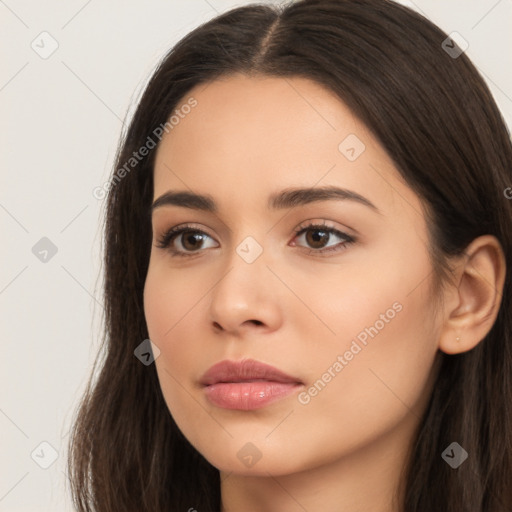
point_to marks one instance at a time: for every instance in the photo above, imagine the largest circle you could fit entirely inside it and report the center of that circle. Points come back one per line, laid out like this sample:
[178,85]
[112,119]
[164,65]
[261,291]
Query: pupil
[315,238]
[191,238]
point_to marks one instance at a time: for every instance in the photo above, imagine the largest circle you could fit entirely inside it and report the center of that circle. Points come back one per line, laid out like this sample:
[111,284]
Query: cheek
[374,371]
[172,301]
[169,298]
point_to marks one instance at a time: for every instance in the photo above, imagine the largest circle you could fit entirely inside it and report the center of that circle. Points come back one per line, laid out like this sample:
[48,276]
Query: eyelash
[165,241]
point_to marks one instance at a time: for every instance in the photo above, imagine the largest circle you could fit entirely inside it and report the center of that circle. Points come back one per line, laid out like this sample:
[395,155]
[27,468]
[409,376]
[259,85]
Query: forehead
[256,135]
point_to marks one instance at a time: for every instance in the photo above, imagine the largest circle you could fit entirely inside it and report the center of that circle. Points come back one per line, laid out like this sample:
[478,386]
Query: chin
[241,463]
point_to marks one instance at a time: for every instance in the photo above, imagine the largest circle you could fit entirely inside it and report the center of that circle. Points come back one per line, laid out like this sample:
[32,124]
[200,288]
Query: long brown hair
[435,117]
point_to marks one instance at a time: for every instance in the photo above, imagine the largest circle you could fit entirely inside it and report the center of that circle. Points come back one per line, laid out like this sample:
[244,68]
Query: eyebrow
[287,198]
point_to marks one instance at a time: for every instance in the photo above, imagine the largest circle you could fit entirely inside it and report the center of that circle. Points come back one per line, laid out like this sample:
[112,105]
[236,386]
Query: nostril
[219,327]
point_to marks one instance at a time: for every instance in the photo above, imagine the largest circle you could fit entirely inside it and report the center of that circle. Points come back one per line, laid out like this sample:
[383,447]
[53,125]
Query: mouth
[247,384]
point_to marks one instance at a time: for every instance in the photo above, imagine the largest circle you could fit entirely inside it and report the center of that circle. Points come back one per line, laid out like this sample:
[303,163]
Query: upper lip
[246,370]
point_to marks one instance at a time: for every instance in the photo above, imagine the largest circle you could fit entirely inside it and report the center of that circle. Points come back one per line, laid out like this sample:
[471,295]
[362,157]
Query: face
[328,289]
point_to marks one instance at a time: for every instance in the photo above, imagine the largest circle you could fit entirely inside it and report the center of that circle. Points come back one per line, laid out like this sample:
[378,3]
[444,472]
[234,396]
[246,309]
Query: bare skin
[343,447]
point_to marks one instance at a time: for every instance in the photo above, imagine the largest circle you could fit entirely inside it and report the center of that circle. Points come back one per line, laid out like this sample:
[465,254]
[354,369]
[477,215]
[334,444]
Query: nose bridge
[245,270]
[248,248]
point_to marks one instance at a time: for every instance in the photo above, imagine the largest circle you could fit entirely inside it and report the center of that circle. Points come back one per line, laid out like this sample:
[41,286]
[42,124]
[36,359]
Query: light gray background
[61,120]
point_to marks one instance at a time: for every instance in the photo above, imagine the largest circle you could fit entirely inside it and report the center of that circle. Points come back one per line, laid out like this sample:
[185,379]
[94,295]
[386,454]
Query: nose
[246,298]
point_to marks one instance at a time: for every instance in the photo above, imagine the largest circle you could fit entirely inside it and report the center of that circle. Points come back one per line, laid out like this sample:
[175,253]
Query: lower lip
[246,396]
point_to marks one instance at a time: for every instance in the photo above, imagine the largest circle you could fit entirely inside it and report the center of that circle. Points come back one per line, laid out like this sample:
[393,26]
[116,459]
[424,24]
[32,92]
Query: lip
[247,384]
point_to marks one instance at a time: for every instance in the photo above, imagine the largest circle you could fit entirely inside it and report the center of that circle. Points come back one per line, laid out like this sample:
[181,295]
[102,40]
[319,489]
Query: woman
[307,303]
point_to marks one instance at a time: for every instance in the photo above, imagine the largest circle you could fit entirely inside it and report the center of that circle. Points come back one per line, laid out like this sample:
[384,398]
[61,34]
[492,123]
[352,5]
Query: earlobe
[477,295]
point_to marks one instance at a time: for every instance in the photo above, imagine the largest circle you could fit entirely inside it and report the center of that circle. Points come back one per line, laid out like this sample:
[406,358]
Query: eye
[189,239]
[317,236]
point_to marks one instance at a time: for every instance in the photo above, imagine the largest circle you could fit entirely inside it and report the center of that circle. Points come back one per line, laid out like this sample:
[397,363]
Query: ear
[472,304]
